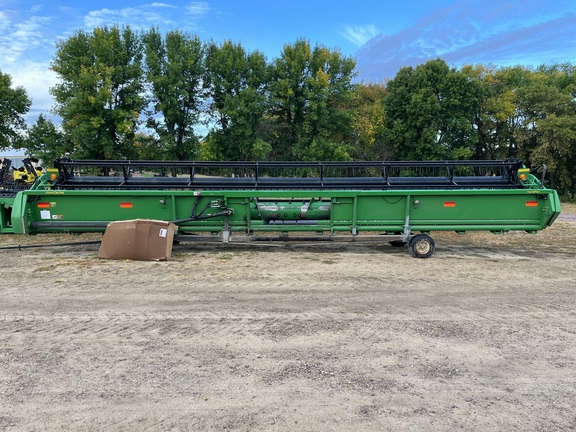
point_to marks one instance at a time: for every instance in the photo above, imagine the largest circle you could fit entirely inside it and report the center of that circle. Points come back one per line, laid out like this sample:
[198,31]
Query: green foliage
[237,83]
[100,94]
[261,149]
[323,150]
[529,114]
[369,123]
[174,71]
[430,110]
[46,142]
[14,104]
[493,117]
[557,149]
[208,149]
[310,92]
[148,147]
[549,105]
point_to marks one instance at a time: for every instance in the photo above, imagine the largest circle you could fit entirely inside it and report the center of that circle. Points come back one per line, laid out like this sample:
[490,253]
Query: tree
[100,94]
[237,83]
[369,123]
[322,149]
[46,142]
[548,109]
[174,70]
[538,98]
[557,150]
[14,104]
[430,111]
[148,147]
[311,91]
[494,117]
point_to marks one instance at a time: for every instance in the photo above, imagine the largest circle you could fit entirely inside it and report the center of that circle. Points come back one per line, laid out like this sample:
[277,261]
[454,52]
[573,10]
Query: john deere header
[402,202]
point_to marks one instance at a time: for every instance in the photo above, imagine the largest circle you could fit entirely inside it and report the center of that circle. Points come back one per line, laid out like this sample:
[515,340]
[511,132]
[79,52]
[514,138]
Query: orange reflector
[522,177]
[531,203]
[125,205]
[53,176]
[43,205]
[449,204]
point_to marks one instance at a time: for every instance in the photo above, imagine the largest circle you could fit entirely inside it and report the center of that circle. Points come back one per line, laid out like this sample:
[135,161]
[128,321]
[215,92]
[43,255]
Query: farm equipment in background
[6,177]
[28,173]
[12,181]
[400,202]
[12,177]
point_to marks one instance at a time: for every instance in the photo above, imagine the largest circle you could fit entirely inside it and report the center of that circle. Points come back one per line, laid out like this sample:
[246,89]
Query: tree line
[148,95]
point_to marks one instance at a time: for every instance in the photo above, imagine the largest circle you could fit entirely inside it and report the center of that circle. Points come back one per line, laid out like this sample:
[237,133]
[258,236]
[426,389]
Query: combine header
[401,202]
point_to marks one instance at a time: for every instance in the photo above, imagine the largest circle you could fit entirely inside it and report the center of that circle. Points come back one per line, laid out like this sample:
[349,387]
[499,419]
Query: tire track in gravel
[194,325]
[270,325]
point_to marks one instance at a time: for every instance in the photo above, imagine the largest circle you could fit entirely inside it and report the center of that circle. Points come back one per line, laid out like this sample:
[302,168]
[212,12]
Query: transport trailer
[399,202]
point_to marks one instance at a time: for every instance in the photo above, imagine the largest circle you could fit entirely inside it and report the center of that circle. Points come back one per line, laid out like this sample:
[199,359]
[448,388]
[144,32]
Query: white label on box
[45,214]
[163,232]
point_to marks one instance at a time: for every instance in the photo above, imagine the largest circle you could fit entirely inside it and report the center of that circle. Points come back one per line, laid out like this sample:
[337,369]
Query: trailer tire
[421,246]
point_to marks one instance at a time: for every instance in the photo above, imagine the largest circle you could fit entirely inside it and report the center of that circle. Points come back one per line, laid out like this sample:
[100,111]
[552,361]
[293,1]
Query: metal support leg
[226,231]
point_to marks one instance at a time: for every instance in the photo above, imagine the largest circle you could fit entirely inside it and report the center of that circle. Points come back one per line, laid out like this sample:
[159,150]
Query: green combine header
[400,202]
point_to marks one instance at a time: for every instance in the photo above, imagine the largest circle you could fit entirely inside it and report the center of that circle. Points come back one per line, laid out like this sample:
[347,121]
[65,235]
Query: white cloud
[30,32]
[37,79]
[135,17]
[4,23]
[198,8]
[359,35]
[25,49]
[162,5]
[146,16]
[461,33]
[36,8]
[16,38]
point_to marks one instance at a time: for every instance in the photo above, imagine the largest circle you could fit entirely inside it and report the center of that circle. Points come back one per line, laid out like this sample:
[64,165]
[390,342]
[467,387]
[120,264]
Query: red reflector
[126,205]
[531,203]
[43,205]
[449,204]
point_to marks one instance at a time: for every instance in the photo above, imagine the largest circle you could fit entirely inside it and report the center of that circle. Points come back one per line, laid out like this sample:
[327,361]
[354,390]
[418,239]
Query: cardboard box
[138,239]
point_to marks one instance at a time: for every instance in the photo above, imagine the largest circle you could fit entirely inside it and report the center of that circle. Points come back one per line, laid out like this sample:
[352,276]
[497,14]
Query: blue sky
[383,36]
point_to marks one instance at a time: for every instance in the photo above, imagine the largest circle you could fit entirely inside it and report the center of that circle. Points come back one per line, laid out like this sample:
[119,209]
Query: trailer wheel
[398,243]
[421,246]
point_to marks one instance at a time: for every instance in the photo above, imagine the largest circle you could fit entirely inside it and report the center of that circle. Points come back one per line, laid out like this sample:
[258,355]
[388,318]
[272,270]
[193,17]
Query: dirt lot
[306,337]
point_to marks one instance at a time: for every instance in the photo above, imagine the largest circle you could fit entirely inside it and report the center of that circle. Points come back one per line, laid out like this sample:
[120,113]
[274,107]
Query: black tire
[421,246]
[398,243]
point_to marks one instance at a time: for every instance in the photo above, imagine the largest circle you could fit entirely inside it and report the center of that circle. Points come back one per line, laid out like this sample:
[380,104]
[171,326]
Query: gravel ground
[306,337]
